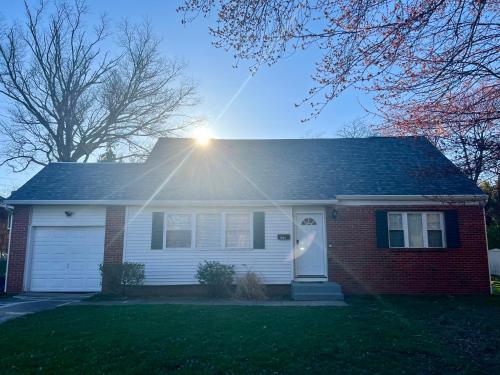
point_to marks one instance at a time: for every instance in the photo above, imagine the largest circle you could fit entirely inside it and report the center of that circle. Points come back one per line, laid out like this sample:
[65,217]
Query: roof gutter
[6,206]
[405,200]
[437,198]
[184,203]
[340,199]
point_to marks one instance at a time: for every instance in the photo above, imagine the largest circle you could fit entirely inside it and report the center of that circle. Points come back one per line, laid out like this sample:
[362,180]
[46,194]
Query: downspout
[10,220]
[487,249]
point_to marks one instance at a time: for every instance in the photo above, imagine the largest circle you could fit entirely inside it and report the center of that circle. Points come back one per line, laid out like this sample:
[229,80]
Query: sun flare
[203,136]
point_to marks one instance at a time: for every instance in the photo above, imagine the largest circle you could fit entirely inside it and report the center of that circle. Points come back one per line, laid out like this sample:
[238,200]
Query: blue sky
[264,107]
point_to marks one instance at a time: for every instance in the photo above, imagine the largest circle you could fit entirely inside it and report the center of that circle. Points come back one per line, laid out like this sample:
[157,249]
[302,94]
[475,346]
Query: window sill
[204,249]
[417,249]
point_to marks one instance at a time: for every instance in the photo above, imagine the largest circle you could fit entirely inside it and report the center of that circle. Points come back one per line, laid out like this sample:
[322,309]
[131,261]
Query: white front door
[309,245]
[66,259]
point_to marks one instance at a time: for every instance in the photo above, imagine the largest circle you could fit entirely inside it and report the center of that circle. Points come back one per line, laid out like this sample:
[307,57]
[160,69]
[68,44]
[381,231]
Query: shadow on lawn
[387,334]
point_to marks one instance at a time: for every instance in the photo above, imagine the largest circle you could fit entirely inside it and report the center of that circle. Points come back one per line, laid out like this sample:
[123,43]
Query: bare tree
[357,128]
[70,97]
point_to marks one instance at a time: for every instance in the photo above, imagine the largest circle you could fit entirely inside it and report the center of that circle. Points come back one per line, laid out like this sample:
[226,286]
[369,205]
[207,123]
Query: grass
[421,335]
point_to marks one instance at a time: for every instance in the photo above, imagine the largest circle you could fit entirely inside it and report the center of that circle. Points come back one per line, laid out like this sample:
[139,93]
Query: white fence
[494,259]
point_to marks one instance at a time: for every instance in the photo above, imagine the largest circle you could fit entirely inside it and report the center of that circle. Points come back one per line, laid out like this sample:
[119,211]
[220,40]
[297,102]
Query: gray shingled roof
[289,169]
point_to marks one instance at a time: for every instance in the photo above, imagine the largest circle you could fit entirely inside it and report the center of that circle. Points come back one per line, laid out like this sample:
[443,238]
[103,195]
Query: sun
[203,135]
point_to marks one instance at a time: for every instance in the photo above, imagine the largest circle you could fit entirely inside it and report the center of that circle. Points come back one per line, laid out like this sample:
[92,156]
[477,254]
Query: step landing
[317,291]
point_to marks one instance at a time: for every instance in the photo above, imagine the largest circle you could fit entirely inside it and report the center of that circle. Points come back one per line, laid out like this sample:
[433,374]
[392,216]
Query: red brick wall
[114,233]
[359,266]
[113,244]
[17,250]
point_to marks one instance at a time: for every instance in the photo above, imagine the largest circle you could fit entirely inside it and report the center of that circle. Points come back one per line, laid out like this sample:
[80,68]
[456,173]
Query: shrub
[216,277]
[250,286]
[3,267]
[117,276]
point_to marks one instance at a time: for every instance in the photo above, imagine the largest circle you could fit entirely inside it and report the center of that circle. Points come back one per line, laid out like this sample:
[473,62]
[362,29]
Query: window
[308,221]
[396,232]
[434,230]
[416,229]
[178,230]
[208,230]
[238,231]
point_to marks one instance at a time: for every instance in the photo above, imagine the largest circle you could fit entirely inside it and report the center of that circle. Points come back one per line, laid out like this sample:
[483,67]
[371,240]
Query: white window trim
[194,219]
[424,229]
[195,225]
[250,218]
[193,230]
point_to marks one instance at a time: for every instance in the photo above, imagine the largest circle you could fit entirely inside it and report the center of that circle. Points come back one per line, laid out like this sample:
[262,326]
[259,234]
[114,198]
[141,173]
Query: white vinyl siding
[68,216]
[178,266]
[416,229]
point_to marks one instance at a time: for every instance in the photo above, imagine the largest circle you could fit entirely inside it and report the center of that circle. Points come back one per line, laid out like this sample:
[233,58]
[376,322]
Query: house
[375,215]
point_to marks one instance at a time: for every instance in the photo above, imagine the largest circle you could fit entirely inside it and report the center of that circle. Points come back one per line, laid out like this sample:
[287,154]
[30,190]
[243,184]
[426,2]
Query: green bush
[216,277]
[117,276]
[3,266]
[250,286]
[494,235]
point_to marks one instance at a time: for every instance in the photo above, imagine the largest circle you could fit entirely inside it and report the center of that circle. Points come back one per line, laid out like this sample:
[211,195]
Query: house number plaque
[283,237]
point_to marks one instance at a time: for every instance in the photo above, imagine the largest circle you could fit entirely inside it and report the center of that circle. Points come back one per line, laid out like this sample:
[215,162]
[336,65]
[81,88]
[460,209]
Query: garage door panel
[66,258]
[48,268]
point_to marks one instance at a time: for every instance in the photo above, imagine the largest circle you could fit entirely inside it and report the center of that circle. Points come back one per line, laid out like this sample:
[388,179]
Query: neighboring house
[376,215]
[494,259]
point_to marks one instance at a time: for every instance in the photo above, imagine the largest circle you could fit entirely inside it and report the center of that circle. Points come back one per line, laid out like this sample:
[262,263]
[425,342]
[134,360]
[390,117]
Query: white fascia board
[394,200]
[352,200]
[178,203]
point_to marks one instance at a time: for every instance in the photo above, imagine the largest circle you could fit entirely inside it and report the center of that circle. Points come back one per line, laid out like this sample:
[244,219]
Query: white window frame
[194,218]
[250,221]
[193,229]
[424,229]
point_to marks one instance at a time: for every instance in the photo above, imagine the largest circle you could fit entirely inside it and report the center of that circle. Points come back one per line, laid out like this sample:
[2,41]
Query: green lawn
[399,334]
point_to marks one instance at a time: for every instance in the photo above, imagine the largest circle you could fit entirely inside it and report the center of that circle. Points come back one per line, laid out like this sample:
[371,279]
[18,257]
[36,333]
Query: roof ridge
[297,139]
[94,163]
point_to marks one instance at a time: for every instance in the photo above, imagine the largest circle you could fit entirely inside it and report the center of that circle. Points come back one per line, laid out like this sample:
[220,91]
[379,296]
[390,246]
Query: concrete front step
[317,291]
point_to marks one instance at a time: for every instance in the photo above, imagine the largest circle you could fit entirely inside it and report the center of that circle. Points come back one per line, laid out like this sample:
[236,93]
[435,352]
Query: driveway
[14,307]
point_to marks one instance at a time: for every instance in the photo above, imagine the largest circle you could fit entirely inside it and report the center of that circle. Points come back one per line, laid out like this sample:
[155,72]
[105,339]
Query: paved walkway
[223,302]
[14,307]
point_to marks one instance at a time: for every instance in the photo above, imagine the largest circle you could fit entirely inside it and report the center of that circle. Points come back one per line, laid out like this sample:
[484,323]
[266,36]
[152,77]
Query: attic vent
[308,221]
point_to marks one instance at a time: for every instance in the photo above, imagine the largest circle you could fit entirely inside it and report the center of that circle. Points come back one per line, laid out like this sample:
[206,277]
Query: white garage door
[66,259]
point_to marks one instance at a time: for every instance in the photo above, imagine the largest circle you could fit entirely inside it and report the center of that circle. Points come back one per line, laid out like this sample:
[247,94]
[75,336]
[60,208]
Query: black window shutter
[451,226]
[381,228]
[259,230]
[157,231]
